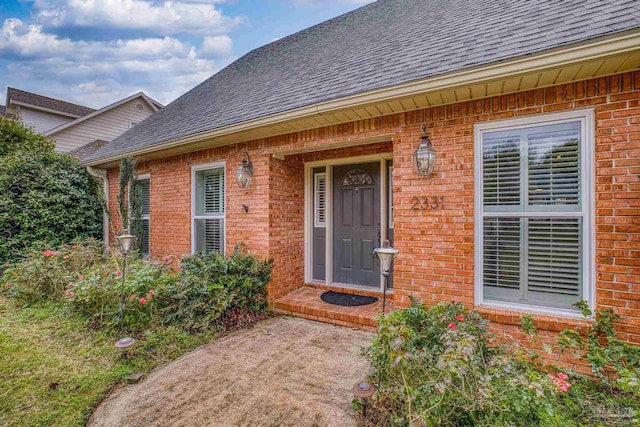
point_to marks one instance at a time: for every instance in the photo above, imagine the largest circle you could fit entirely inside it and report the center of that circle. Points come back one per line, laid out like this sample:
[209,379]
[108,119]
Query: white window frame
[195,168]
[587,212]
[390,196]
[316,217]
[147,217]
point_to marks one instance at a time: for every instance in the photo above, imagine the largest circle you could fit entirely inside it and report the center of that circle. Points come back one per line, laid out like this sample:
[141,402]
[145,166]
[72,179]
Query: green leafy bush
[212,290]
[45,273]
[440,366]
[46,196]
[96,294]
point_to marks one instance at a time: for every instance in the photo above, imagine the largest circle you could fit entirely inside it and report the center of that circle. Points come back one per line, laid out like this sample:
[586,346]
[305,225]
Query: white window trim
[316,220]
[195,168]
[390,196]
[586,116]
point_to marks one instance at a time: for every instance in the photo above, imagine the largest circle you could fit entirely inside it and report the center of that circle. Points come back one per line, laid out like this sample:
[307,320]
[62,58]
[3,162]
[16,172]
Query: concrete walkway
[283,372]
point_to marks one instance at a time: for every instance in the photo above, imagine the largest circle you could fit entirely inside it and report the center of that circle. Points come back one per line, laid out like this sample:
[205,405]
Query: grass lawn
[54,369]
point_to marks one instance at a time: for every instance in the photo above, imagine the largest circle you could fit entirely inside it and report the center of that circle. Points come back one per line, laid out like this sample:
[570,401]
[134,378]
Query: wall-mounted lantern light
[245,172]
[425,156]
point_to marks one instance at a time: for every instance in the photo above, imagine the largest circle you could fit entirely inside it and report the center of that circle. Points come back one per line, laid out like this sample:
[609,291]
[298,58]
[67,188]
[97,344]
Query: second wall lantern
[425,156]
[245,172]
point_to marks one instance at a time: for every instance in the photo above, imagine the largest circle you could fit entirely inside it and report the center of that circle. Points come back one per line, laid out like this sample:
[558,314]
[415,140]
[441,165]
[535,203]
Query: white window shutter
[501,168]
[554,256]
[214,235]
[502,254]
[554,167]
[214,191]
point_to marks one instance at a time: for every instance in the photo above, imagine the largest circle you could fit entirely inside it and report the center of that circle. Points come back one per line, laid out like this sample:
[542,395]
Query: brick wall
[437,247]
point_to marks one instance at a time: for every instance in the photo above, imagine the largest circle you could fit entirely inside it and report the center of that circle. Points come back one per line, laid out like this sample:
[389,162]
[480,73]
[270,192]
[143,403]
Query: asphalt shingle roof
[383,44]
[46,102]
[87,150]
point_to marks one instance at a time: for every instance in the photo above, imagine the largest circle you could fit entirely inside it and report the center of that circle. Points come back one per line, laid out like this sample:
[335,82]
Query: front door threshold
[305,302]
[368,291]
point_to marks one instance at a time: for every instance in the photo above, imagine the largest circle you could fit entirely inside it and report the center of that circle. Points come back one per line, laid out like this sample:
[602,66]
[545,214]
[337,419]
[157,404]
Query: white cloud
[217,46]
[160,18]
[316,3]
[96,73]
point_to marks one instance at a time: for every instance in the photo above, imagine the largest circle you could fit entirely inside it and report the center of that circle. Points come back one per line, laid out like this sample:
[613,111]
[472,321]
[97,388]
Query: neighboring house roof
[88,149]
[155,105]
[384,44]
[39,102]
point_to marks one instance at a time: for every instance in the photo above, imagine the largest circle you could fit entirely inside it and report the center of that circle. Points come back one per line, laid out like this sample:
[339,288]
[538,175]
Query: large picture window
[533,192]
[209,208]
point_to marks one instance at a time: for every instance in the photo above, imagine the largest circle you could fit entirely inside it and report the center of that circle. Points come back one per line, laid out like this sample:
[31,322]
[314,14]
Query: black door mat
[347,300]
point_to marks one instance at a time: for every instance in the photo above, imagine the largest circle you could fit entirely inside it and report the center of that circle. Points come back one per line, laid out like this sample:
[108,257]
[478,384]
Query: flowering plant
[439,366]
[97,293]
[45,272]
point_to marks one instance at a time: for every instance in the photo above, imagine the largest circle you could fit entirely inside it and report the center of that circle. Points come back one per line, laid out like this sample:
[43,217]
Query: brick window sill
[541,321]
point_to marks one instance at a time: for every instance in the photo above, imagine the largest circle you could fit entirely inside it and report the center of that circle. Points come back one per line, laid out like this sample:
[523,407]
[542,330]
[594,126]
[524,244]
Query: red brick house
[532,107]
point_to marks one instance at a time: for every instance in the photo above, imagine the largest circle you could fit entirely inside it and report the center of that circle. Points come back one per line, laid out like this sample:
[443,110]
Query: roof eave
[570,55]
[95,113]
[46,110]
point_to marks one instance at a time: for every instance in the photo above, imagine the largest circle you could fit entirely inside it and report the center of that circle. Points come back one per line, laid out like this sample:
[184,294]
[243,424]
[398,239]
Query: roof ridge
[9,89]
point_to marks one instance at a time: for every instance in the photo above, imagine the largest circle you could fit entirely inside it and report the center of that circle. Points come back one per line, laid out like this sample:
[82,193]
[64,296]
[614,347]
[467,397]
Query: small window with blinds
[143,192]
[320,200]
[209,210]
[533,234]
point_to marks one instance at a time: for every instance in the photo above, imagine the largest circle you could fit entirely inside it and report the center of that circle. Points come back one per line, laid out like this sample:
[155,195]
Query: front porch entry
[348,213]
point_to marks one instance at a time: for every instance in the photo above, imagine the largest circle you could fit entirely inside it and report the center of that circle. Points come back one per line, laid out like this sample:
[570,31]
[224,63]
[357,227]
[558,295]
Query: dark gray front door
[356,218]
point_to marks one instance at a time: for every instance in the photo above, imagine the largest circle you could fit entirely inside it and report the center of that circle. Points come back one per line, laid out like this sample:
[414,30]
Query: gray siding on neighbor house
[41,121]
[105,126]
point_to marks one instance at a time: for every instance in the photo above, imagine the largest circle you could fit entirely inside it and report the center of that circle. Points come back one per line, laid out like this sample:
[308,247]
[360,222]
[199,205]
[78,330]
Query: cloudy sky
[94,52]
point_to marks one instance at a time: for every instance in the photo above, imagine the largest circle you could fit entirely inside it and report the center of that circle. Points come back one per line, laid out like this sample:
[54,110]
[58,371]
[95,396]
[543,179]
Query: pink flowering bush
[441,366]
[44,274]
[96,294]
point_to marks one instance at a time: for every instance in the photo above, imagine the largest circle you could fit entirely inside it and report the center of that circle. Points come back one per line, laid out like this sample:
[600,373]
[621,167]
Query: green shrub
[14,136]
[440,366]
[45,273]
[212,290]
[46,196]
[96,294]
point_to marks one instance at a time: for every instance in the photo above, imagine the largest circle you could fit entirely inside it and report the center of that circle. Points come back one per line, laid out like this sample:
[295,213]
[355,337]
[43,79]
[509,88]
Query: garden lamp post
[126,245]
[386,254]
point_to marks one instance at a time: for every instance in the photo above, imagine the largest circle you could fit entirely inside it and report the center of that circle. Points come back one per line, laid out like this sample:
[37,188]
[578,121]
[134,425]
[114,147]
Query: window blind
[214,191]
[320,199]
[554,252]
[209,215]
[502,255]
[529,256]
[501,181]
[554,167]
[143,193]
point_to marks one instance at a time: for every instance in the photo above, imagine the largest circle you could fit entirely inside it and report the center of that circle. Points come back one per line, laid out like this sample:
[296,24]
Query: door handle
[377,245]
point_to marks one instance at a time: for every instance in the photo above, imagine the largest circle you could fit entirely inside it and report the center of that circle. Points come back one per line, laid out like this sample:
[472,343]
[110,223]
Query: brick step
[367,293]
[305,302]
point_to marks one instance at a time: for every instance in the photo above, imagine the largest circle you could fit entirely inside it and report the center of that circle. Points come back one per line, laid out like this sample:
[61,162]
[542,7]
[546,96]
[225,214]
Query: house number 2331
[427,202]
